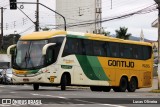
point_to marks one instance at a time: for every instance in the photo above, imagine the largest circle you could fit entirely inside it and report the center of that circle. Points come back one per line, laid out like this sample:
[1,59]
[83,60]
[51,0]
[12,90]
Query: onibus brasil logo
[21,102]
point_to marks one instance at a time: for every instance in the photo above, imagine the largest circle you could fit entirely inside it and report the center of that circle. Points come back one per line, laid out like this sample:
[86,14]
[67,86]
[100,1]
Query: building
[78,13]
[155,44]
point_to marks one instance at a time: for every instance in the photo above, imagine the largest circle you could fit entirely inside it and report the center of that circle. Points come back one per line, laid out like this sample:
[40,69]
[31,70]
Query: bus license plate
[25,79]
[51,78]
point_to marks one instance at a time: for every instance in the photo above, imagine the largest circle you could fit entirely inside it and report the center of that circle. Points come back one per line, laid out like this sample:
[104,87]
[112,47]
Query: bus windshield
[29,54]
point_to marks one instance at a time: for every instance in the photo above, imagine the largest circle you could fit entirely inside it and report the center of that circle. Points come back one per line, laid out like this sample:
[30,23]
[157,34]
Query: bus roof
[113,39]
[49,34]
[42,35]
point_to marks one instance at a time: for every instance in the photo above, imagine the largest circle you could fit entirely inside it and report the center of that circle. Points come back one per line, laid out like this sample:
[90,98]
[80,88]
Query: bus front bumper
[41,78]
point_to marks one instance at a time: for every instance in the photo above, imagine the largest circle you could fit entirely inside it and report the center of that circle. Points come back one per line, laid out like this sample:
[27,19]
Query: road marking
[111,105]
[48,96]
[2,86]
[85,101]
[12,92]
[13,86]
[4,105]
[26,86]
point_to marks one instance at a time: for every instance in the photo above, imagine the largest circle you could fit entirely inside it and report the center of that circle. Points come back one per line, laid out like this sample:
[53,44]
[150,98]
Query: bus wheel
[93,88]
[123,84]
[36,86]
[64,82]
[106,89]
[96,88]
[116,89]
[132,85]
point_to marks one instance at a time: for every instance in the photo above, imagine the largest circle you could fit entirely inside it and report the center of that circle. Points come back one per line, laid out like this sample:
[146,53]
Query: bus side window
[137,52]
[87,47]
[50,55]
[99,48]
[72,46]
[80,48]
[147,50]
[127,51]
[121,50]
[67,48]
[114,49]
[108,52]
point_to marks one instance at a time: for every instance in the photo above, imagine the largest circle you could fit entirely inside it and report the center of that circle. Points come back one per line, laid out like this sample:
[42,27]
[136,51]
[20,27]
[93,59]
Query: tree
[10,40]
[46,29]
[122,33]
[106,33]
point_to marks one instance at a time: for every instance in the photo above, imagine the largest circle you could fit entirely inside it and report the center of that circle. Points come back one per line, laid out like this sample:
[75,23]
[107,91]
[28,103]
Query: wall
[75,12]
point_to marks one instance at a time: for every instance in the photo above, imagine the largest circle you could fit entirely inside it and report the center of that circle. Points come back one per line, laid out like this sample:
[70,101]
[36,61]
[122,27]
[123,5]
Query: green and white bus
[70,58]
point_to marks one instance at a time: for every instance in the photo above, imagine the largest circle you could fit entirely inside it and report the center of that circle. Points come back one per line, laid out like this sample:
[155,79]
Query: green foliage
[3,51]
[10,40]
[122,33]
[45,29]
[106,33]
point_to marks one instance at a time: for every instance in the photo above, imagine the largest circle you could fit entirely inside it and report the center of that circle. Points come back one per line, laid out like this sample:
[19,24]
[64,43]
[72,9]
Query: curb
[155,91]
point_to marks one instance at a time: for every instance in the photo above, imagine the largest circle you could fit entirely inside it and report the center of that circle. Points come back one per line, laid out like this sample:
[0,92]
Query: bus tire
[132,85]
[122,86]
[116,89]
[64,82]
[36,87]
[93,88]
[96,88]
[106,89]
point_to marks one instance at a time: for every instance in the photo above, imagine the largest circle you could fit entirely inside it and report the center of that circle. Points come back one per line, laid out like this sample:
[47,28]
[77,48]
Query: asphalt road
[21,95]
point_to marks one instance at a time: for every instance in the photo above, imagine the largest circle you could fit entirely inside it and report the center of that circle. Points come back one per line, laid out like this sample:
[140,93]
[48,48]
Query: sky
[16,22]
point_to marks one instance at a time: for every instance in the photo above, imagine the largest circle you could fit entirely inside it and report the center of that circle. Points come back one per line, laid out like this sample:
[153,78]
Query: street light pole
[158,2]
[65,26]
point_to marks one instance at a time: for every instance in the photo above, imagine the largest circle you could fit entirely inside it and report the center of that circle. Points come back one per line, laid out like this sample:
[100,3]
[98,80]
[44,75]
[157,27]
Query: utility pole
[65,27]
[37,17]
[98,16]
[158,2]
[1,36]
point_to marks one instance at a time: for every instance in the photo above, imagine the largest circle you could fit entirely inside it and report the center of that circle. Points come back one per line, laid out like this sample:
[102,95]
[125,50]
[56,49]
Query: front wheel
[63,82]
[36,87]
[96,88]
[106,89]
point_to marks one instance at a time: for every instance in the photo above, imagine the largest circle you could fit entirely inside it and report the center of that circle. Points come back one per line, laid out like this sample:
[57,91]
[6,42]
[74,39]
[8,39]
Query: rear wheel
[36,86]
[96,88]
[116,89]
[132,85]
[64,82]
[122,86]
[106,89]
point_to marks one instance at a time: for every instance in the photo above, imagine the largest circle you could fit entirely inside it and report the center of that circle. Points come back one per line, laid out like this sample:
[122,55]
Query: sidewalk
[154,85]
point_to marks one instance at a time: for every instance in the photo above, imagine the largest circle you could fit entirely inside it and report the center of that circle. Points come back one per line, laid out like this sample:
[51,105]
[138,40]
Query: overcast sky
[14,20]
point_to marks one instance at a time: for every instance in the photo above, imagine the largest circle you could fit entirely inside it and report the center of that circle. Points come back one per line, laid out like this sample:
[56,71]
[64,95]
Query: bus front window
[29,54]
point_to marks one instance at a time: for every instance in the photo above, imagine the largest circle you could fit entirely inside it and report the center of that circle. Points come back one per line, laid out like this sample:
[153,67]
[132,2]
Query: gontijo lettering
[128,64]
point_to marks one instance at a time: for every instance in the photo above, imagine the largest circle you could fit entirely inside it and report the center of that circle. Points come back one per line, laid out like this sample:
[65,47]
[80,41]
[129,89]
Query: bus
[65,58]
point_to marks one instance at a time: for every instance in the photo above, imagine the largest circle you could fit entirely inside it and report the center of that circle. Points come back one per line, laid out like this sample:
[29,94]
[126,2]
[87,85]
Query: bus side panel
[109,71]
[115,68]
[86,70]
[145,69]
